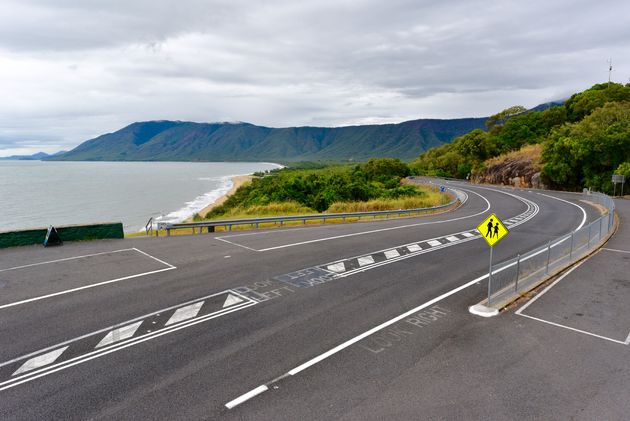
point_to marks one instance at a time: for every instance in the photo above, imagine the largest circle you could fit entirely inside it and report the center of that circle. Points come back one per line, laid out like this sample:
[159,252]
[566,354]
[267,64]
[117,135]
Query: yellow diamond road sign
[492,229]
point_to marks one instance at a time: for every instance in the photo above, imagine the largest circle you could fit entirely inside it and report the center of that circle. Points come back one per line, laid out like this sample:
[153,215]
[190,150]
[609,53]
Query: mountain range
[189,141]
[34,157]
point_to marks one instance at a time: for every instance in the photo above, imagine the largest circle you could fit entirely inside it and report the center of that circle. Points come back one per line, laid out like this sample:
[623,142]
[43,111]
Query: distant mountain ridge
[189,141]
[35,157]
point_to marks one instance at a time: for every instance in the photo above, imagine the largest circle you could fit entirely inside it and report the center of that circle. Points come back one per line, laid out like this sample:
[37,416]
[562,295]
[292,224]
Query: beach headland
[237,181]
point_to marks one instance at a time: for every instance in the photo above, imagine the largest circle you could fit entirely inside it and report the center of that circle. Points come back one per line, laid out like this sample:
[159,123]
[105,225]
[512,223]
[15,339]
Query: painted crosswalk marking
[434,243]
[365,260]
[452,238]
[337,267]
[185,313]
[468,234]
[390,254]
[119,334]
[232,300]
[40,361]
[414,247]
[114,338]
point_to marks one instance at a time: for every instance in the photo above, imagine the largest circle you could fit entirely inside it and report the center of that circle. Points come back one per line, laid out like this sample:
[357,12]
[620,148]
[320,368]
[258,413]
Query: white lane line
[337,267]
[570,203]
[40,360]
[413,247]
[231,300]
[154,258]
[119,334]
[390,254]
[468,234]
[452,238]
[235,244]
[66,259]
[434,243]
[336,237]
[616,251]
[365,260]
[68,291]
[575,330]
[185,313]
[260,389]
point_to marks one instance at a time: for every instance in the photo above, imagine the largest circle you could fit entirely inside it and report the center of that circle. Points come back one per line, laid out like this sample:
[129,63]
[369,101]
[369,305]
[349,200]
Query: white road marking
[570,203]
[113,348]
[231,300]
[65,259]
[336,237]
[260,389]
[413,247]
[615,250]
[365,260]
[337,267]
[452,238]
[154,258]
[185,313]
[68,291]
[468,234]
[434,243]
[40,360]
[544,291]
[390,254]
[119,334]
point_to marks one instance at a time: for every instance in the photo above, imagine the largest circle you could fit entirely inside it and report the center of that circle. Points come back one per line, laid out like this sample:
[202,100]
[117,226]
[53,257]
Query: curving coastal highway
[356,321]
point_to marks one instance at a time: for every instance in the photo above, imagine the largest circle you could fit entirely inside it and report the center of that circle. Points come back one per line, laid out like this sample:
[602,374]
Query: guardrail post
[548,257]
[518,269]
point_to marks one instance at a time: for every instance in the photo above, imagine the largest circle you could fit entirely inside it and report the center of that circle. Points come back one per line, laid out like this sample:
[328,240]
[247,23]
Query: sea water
[36,194]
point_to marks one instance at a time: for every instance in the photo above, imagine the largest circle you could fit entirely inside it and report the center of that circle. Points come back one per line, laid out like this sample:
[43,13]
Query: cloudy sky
[71,70]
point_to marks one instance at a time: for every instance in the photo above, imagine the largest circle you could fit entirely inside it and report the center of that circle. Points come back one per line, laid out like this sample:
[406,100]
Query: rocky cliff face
[516,169]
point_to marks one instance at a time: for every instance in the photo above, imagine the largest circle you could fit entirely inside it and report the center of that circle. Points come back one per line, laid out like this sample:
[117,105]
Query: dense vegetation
[375,184]
[584,140]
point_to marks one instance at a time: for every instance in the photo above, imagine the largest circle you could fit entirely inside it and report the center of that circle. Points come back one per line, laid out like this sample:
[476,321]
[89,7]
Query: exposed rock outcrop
[519,169]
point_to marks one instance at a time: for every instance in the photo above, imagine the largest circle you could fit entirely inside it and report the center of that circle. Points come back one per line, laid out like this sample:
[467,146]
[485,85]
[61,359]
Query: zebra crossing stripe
[365,260]
[468,234]
[185,313]
[414,247]
[40,361]
[452,238]
[337,267]
[119,334]
[390,254]
[434,243]
[114,338]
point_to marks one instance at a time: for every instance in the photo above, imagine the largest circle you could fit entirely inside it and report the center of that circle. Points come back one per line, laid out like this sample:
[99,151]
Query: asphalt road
[353,321]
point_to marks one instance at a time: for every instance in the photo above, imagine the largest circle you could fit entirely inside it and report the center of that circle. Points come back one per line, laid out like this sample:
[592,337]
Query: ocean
[35,194]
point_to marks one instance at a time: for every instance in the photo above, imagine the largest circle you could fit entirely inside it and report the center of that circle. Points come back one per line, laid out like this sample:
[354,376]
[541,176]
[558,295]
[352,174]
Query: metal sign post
[492,230]
[616,179]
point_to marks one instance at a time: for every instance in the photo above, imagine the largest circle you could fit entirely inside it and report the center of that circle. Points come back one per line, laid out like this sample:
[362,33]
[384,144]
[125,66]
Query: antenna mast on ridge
[609,69]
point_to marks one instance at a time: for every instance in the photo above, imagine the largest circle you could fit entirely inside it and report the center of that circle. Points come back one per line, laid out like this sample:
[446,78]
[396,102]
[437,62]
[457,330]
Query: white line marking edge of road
[342,346]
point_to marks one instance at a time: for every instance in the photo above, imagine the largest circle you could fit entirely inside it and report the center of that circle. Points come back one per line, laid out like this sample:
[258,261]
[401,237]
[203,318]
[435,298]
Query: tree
[499,119]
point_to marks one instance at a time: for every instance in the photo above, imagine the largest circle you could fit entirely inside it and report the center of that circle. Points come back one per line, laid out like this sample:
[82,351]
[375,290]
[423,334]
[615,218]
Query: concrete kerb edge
[484,310]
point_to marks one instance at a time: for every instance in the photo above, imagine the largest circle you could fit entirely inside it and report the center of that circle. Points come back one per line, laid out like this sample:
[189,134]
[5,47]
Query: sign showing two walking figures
[492,230]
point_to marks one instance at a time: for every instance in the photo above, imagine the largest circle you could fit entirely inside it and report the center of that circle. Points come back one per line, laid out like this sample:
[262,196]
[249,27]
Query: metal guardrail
[510,279]
[255,222]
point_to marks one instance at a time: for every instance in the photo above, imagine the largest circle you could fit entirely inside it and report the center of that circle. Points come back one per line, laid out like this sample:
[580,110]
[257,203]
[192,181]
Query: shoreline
[237,181]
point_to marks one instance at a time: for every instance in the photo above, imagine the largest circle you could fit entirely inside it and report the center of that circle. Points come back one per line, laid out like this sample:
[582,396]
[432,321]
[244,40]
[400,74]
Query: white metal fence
[510,279]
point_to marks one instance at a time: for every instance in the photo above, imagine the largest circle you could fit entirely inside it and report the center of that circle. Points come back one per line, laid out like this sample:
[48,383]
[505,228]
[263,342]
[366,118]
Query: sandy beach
[237,181]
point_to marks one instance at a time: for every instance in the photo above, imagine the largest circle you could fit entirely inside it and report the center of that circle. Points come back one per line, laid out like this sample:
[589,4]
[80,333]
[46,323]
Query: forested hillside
[584,141]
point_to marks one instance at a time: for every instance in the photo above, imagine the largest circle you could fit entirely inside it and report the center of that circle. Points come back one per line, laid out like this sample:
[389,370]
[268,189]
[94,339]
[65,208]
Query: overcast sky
[71,70]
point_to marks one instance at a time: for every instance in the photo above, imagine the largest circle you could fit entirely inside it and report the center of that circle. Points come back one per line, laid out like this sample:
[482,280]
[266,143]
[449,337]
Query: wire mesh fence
[510,279]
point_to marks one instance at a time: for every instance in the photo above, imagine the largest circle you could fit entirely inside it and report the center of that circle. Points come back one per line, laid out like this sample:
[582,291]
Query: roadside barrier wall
[66,233]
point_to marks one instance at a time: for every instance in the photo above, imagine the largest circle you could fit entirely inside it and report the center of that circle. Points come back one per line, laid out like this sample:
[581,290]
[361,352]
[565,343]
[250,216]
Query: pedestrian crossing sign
[492,229]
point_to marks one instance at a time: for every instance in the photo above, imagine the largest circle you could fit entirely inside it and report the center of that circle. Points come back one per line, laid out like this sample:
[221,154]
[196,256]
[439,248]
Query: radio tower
[609,69]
